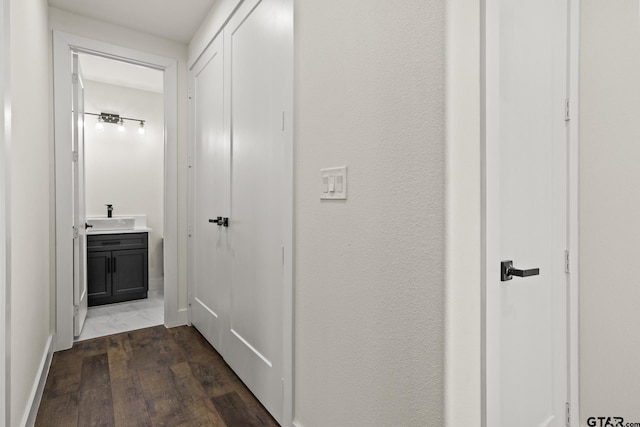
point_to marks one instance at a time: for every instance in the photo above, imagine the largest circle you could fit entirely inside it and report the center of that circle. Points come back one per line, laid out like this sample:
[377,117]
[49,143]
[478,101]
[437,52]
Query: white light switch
[333,183]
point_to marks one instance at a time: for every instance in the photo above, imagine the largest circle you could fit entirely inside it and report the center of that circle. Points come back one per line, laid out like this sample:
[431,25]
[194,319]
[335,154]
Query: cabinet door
[99,274]
[129,271]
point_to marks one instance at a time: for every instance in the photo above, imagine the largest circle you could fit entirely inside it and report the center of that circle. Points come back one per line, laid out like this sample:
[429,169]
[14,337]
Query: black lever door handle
[507,271]
[87,226]
[216,221]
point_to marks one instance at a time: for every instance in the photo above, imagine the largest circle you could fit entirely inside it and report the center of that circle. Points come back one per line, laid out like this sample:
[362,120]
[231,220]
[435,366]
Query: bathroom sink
[115,223]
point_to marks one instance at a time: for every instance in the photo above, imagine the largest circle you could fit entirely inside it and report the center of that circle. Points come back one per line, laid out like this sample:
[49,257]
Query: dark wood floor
[150,377]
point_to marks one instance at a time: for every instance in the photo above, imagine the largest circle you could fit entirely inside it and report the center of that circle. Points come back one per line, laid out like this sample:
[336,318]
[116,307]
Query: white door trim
[490,77]
[573,227]
[286,24]
[63,43]
[5,214]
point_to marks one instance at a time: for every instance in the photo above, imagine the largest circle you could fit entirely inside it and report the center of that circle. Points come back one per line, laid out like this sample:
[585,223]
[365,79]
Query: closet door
[253,46]
[210,197]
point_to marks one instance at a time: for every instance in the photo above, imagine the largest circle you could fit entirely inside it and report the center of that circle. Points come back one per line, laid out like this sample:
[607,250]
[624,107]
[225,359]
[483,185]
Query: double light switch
[333,183]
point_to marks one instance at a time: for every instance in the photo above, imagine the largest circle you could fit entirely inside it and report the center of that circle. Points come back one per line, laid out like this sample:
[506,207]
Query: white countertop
[134,230]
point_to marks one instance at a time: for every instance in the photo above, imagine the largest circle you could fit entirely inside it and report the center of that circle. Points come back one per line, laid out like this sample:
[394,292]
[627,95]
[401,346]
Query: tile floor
[123,317]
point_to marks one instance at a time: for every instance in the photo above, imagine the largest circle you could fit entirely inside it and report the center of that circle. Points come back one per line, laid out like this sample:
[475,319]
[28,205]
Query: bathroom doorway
[65,46]
[123,168]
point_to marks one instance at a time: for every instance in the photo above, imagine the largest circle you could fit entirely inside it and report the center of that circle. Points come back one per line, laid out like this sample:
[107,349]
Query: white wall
[126,169]
[609,209]
[102,31]
[30,209]
[370,282]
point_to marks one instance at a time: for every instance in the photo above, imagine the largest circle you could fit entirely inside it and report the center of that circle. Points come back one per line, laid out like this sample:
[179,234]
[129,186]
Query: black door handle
[87,226]
[225,222]
[216,221]
[507,271]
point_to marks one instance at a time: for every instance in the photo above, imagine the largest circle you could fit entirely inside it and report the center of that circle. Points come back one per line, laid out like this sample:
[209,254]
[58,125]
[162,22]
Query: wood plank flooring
[149,377]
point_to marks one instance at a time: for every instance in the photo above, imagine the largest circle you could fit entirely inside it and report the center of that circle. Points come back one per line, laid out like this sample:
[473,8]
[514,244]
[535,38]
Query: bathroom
[123,166]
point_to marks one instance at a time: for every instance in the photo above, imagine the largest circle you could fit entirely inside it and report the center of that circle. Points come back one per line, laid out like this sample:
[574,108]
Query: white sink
[115,223]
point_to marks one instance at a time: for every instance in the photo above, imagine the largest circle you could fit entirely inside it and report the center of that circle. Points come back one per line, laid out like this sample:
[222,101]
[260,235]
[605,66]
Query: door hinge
[567,262]
[189,162]
[189,231]
[74,156]
[283,120]
[282,255]
[76,310]
[568,414]
[76,233]
[567,110]
[74,78]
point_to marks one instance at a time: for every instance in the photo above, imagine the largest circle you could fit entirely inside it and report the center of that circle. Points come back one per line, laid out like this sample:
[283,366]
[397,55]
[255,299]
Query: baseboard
[181,319]
[156,284]
[31,411]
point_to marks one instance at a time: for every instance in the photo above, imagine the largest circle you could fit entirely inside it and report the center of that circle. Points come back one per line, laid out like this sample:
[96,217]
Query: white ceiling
[120,73]
[171,19]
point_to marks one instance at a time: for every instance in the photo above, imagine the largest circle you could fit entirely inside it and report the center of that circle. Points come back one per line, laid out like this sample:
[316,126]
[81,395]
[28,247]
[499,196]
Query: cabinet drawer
[107,242]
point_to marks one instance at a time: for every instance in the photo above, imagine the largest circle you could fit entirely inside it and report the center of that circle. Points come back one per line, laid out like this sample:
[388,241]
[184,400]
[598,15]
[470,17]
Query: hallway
[151,377]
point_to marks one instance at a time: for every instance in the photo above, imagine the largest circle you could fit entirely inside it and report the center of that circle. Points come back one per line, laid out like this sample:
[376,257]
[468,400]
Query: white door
[258,191]
[79,214]
[210,186]
[526,212]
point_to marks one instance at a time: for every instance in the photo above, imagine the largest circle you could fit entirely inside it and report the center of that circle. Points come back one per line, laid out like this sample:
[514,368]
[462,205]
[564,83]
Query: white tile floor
[125,316]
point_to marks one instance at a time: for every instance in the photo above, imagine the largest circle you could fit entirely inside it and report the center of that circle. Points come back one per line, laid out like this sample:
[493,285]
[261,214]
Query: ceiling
[121,73]
[176,20]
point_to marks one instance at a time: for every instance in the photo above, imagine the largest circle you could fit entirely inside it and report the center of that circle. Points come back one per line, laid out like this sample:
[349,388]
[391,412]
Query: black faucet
[109,211]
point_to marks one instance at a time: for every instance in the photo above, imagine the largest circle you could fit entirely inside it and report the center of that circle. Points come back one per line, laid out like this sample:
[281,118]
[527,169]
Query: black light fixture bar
[114,118]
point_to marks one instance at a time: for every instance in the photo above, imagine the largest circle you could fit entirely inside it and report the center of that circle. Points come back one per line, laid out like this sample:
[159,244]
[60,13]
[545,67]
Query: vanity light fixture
[116,119]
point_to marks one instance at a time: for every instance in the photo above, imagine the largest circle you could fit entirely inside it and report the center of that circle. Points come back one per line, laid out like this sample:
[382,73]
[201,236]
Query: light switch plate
[333,183]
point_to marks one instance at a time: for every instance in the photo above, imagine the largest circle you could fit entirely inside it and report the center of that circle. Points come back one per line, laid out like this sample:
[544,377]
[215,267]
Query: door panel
[99,278]
[257,204]
[129,271]
[80,294]
[210,194]
[526,332]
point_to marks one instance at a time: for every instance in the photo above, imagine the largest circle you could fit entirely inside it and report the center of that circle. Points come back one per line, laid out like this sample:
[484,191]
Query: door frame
[288,305]
[5,213]
[63,44]
[490,183]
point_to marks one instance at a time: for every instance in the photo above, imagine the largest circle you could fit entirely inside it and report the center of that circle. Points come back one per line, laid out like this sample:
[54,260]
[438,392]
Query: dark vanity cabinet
[117,267]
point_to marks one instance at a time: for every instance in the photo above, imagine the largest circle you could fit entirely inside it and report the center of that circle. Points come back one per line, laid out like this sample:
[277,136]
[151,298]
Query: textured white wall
[30,210]
[126,169]
[369,272]
[97,30]
[609,209]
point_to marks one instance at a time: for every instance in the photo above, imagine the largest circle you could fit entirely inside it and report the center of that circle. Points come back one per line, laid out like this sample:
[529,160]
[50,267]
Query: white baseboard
[31,411]
[156,284]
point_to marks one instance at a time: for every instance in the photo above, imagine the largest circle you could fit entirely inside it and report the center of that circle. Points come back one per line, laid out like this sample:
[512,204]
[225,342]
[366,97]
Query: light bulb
[141,128]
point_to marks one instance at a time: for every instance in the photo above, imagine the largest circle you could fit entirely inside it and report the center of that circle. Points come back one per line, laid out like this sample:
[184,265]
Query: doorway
[64,47]
[122,163]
